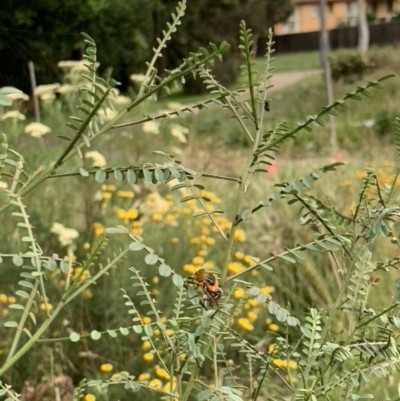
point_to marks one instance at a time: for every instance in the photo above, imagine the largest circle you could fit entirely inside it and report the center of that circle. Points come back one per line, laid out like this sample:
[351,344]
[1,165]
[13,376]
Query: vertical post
[363,28]
[35,100]
[324,50]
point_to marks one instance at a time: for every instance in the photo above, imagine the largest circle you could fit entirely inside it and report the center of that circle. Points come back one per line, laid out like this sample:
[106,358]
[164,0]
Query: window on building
[292,24]
[330,7]
[351,13]
[313,11]
[351,9]
[372,7]
[389,6]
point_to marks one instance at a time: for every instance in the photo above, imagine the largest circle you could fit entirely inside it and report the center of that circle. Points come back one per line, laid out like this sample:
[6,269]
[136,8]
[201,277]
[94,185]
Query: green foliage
[48,33]
[326,351]
[350,66]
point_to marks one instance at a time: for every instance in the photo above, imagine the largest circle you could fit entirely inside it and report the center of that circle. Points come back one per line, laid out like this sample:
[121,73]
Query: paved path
[284,79]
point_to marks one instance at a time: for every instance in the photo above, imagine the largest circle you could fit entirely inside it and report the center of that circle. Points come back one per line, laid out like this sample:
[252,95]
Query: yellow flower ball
[239,255]
[209,265]
[235,267]
[239,293]
[186,211]
[190,269]
[148,357]
[209,241]
[45,308]
[143,377]
[136,231]
[155,280]
[253,302]
[245,324]
[202,253]
[3,298]
[121,214]
[167,387]
[161,373]
[125,194]
[240,235]
[106,196]
[205,231]
[155,383]
[360,175]
[115,378]
[156,217]
[267,290]
[198,261]
[146,345]
[247,259]
[86,246]
[194,241]
[106,368]
[89,397]
[191,202]
[272,348]
[174,240]
[11,300]
[98,229]
[273,327]
[170,218]
[146,320]
[252,316]
[280,363]
[132,214]
[206,221]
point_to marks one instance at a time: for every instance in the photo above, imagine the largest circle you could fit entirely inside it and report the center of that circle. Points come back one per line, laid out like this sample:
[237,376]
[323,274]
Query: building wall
[381,10]
[306,17]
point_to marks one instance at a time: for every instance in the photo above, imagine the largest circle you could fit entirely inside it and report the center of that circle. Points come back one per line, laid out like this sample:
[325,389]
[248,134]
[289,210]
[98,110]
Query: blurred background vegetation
[126,31]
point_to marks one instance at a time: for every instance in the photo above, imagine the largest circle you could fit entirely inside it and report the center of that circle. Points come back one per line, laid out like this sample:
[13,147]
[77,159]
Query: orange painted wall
[306,18]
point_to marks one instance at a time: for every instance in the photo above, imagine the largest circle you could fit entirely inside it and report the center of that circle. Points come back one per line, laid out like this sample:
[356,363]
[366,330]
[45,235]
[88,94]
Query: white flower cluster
[98,159]
[65,235]
[37,130]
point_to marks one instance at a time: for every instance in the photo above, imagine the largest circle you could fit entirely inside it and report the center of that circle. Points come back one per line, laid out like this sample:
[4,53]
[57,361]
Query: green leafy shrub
[349,66]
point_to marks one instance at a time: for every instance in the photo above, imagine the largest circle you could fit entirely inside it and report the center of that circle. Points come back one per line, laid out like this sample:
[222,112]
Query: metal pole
[32,78]
[324,50]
